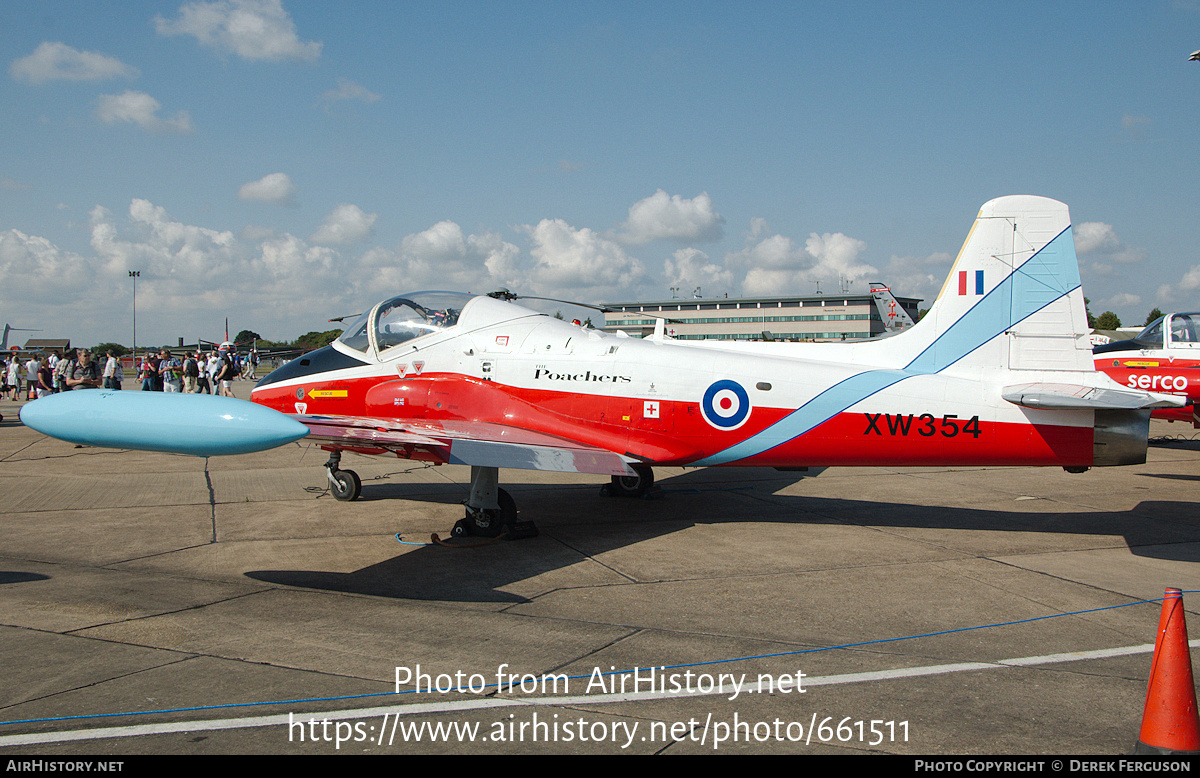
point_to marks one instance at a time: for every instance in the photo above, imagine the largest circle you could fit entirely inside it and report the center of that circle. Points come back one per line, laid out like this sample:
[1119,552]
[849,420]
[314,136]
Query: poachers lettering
[545,374]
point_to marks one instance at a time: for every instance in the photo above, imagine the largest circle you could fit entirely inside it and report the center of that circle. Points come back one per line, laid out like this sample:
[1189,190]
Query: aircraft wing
[1078,397]
[464,443]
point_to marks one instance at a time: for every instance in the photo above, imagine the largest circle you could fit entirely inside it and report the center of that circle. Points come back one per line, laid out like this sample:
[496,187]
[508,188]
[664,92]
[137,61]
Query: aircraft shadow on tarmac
[578,524]
[19,576]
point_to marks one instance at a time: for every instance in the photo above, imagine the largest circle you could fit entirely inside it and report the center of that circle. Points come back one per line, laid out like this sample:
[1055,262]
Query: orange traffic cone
[1169,723]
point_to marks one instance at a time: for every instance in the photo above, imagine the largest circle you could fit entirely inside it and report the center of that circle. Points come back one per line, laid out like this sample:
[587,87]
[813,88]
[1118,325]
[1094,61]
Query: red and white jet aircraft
[1164,357]
[999,372]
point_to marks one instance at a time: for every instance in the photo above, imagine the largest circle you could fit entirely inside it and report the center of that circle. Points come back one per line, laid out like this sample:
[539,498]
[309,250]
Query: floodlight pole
[134,275]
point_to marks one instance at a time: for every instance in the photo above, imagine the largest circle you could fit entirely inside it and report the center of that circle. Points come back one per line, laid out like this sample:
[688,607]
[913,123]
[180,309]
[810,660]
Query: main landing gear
[345,484]
[638,485]
[491,510]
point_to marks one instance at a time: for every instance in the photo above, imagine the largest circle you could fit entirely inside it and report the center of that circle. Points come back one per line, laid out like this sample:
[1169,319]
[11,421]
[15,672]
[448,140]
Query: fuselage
[667,402]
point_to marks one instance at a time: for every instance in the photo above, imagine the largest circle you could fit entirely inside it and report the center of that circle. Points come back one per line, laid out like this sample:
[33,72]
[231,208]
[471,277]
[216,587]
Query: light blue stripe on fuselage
[1044,278]
[818,410]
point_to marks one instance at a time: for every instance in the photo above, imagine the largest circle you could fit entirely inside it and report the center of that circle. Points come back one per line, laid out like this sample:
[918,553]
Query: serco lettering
[1163,383]
[549,375]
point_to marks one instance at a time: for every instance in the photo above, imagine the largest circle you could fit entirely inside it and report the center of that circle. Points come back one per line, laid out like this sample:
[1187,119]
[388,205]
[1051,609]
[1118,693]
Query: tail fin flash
[1013,298]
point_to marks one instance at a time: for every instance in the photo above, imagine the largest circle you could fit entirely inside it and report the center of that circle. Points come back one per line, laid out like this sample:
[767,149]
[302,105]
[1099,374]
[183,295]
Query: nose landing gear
[345,485]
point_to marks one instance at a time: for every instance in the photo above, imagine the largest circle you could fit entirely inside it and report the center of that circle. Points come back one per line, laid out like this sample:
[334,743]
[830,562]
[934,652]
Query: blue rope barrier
[227,706]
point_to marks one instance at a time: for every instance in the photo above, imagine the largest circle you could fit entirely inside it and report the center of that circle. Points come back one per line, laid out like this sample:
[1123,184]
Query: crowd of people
[195,373]
[44,374]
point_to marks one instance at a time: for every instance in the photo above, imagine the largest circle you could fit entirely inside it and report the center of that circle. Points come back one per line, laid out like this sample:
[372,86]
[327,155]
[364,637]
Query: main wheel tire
[489,523]
[634,485]
[346,485]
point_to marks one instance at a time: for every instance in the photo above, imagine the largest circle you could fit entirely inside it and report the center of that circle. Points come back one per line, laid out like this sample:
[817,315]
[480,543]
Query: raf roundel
[726,405]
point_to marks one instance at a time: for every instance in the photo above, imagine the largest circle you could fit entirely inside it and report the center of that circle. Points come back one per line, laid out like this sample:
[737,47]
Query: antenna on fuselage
[504,294]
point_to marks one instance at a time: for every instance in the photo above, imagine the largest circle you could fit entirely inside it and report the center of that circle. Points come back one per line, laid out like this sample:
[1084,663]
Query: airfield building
[815,317]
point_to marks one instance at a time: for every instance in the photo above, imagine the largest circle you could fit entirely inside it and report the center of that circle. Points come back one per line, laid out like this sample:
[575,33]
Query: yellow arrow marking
[327,393]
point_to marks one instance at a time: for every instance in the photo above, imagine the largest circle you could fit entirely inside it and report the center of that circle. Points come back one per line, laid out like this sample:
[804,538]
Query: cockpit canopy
[1183,328]
[404,318]
[1175,330]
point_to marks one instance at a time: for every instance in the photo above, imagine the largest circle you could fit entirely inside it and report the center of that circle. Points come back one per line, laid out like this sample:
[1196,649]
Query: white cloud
[920,277]
[775,265]
[32,269]
[566,258]
[59,62]
[345,224]
[1134,125]
[1122,300]
[689,268]
[349,90]
[1091,236]
[271,188]
[251,29]
[1169,294]
[1101,239]
[141,109]
[192,276]
[837,254]
[442,257]
[662,216]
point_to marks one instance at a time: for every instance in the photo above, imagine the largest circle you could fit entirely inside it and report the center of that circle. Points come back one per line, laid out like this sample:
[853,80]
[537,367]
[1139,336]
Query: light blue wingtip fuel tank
[197,424]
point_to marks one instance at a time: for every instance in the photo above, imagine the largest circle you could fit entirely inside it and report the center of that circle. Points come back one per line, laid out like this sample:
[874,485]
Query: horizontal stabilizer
[1077,397]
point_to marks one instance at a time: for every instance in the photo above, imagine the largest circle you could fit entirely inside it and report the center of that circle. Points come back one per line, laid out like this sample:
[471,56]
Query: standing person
[31,371]
[225,372]
[151,380]
[170,369]
[112,372]
[14,377]
[61,368]
[191,374]
[45,376]
[84,373]
[202,379]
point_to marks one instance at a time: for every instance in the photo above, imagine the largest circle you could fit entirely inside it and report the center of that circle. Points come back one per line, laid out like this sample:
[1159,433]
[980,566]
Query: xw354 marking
[927,425]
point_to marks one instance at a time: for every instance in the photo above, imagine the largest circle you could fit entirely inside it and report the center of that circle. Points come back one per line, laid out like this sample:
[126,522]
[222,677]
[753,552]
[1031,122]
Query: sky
[281,163]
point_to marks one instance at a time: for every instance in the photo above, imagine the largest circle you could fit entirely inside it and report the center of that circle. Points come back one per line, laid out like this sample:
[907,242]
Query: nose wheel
[345,485]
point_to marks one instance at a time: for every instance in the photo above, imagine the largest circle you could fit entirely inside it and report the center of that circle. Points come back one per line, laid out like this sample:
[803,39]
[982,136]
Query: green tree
[1087,308]
[247,336]
[1154,314]
[1108,321]
[116,348]
[312,340]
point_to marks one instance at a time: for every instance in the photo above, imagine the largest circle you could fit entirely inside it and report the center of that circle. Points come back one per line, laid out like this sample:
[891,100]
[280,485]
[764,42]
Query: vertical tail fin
[1013,298]
[895,318]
